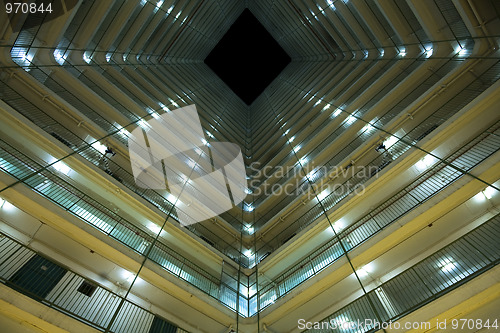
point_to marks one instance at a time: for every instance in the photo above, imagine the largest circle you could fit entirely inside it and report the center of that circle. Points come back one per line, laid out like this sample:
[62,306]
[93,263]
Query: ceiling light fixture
[336,113]
[155,229]
[87,58]
[143,124]
[426,162]
[365,270]
[124,132]
[489,192]
[367,127]
[60,56]
[250,230]
[171,198]
[323,194]
[62,167]
[390,141]
[164,107]
[350,120]
[460,51]
[99,147]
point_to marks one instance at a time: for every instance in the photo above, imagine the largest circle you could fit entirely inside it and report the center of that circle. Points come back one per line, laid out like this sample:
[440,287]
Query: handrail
[52,125]
[74,294]
[410,197]
[209,290]
[443,271]
[60,191]
[447,110]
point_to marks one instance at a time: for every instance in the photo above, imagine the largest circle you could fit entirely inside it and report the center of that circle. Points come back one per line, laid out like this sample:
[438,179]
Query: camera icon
[170,152]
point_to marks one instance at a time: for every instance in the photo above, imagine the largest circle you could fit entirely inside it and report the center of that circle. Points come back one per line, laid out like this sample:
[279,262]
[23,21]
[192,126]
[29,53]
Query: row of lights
[62,167]
[421,165]
[446,264]
[402,53]
[486,194]
[61,56]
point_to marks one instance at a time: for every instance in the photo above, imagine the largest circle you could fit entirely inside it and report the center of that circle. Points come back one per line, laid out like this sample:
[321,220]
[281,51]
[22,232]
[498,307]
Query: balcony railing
[418,132]
[416,193]
[56,286]
[60,190]
[436,275]
[53,127]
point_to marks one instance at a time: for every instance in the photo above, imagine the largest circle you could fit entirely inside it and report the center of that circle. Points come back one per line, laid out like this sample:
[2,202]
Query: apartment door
[37,277]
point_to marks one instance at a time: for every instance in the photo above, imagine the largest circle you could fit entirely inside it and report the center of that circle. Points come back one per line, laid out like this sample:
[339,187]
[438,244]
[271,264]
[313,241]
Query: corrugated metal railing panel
[94,306]
[444,270]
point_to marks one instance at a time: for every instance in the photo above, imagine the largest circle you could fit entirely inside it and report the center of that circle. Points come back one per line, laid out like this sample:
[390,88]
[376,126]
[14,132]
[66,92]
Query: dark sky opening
[247,58]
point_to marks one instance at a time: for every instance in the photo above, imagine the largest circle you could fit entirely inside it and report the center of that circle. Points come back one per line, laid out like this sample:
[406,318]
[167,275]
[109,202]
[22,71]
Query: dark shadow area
[247,58]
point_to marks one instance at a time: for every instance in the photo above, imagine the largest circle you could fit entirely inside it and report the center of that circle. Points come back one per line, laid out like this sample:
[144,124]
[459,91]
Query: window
[87,288]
